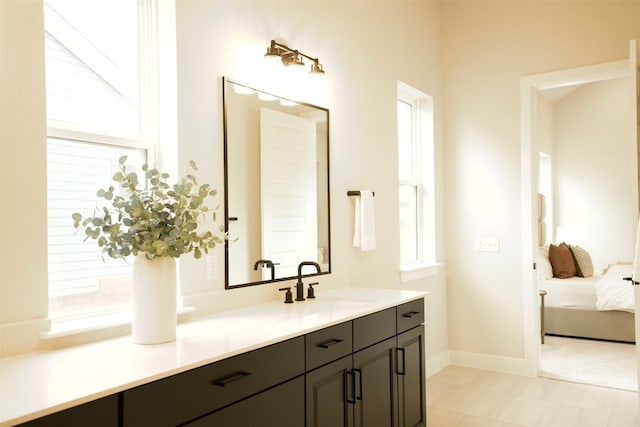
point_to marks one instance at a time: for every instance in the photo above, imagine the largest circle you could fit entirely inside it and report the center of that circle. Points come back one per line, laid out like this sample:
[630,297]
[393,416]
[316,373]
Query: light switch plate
[487,244]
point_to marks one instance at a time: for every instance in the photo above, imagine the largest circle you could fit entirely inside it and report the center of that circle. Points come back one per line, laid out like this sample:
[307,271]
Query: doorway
[533,88]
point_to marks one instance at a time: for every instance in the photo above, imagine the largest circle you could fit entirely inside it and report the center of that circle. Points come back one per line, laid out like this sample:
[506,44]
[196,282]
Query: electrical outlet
[212,267]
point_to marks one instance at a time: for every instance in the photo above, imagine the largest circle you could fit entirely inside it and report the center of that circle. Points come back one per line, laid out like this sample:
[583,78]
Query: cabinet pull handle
[231,378]
[400,356]
[359,373]
[329,343]
[350,398]
[411,314]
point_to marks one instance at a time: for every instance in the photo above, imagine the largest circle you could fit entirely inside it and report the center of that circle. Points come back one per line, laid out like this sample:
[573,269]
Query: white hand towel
[364,233]
[636,260]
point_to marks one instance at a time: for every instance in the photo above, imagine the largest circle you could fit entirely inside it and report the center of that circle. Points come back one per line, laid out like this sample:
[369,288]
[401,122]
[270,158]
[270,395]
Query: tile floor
[458,396]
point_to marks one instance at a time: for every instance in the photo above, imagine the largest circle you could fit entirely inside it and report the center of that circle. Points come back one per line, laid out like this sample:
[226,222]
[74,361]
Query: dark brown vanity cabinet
[190,396]
[411,378]
[366,372]
[280,406]
[382,382]
[99,413]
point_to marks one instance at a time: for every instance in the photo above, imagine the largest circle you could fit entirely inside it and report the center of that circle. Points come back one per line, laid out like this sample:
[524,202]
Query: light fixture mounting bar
[290,56]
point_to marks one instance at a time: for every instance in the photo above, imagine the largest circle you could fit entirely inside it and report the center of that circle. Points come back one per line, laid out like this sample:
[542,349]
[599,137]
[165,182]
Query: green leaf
[123,159]
[162,220]
[132,177]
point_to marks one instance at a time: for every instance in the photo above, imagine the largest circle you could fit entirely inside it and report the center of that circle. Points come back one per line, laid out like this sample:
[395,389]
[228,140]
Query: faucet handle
[310,292]
[288,296]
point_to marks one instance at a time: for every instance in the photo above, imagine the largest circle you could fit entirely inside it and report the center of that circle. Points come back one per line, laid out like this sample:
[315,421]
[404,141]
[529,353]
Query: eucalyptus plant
[152,217]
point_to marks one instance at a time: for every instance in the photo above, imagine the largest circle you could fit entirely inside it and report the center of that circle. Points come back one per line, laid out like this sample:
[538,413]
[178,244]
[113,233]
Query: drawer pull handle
[330,343]
[411,314]
[231,378]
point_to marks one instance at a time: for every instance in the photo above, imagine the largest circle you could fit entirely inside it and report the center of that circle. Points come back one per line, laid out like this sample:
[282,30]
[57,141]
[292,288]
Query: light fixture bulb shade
[272,54]
[294,61]
[316,70]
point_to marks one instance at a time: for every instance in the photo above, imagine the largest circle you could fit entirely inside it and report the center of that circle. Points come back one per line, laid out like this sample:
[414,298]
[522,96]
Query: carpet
[600,363]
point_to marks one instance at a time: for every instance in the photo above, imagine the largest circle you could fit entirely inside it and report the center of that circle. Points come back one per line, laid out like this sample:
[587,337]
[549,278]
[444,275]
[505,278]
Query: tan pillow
[562,261]
[582,259]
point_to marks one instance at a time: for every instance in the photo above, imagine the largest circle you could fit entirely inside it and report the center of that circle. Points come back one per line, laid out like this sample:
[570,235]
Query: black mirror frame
[225,101]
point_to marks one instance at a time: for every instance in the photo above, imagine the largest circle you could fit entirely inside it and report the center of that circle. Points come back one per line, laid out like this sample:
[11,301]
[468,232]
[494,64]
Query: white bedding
[614,293]
[572,292]
[604,292]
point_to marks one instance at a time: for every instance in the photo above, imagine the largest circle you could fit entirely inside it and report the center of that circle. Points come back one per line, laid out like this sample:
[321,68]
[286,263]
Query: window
[416,178]
[95,114]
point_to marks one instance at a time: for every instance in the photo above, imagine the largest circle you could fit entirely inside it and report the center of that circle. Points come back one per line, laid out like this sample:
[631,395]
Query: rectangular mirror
[276,154]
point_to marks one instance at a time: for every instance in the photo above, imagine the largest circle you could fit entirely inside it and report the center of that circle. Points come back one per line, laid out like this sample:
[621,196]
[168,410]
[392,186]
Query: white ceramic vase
[154,297]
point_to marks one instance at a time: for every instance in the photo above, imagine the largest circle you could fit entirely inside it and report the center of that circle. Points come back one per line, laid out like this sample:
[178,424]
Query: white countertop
[37,384]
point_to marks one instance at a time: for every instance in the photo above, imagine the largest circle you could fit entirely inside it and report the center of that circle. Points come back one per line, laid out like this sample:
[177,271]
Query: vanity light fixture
[278,52]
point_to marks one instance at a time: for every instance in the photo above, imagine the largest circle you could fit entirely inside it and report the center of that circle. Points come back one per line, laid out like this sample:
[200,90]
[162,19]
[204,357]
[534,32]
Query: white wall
[365,48]
[488,47]
[592,171]
[473,53]
[23,221]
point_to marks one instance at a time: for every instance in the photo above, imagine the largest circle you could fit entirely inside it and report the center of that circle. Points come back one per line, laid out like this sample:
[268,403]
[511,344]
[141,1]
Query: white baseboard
[507,365]
[437,363]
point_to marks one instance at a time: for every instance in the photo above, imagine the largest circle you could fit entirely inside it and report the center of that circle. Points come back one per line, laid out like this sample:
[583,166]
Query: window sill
[409,273]
[61,328]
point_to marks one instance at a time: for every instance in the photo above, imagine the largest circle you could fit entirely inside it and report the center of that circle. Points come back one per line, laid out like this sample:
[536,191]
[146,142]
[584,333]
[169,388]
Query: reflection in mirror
[276,186]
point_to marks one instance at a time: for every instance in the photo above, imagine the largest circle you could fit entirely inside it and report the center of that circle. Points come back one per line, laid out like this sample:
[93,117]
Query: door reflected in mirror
[276,186]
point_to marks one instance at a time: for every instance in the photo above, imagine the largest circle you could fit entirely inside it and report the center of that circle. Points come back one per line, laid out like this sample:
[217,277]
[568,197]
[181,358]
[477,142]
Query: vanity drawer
[327,345]
[410,315]
[374,328]
[183,397]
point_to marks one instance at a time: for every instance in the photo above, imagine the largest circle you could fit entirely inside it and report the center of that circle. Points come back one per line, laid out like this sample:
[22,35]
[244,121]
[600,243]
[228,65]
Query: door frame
[530,86]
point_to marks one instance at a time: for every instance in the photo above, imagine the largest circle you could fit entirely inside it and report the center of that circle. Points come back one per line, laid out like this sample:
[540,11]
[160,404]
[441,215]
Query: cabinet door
[278,407]
[411,378]
[330,395]
[99,413]
[375,376]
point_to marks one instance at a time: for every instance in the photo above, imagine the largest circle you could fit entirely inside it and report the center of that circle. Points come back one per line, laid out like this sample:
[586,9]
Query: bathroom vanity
[352,357]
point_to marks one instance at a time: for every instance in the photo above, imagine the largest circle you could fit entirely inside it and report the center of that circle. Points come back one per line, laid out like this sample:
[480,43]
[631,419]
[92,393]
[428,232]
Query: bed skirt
[587,322]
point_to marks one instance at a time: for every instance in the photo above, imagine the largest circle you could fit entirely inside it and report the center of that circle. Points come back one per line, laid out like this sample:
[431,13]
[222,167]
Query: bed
[596,307]
[577,301]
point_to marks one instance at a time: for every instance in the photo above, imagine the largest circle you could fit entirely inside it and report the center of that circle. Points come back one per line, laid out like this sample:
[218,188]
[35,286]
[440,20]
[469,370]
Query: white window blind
[76,170]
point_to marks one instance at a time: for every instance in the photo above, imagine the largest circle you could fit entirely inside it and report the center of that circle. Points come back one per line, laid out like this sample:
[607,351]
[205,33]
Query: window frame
[147,140]
[423,180]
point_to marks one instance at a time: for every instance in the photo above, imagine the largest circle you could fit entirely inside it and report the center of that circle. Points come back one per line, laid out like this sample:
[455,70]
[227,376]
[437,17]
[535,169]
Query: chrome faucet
[300,285]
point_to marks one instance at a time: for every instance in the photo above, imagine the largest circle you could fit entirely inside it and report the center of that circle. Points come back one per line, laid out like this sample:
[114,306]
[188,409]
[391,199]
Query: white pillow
[545,271]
